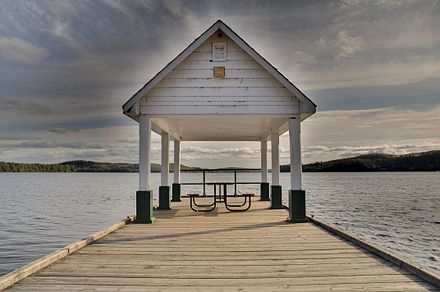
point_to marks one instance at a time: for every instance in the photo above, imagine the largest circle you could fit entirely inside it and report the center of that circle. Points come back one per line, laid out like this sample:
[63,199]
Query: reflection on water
[44,211]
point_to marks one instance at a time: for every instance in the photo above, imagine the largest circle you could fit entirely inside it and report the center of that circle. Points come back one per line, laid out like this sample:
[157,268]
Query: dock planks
[222,251]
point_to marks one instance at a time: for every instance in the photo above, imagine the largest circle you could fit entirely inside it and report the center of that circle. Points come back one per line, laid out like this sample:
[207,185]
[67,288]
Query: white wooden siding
[207,65]
[191,110]
[228,82]
[231,56]
[247,88]
[182,92]
[207,73]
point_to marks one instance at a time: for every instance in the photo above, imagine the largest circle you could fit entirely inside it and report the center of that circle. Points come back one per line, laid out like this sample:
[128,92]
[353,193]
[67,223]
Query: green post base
[264,192]
[176,193]
[144,207]
[297,206]
[276,201]
[164,198]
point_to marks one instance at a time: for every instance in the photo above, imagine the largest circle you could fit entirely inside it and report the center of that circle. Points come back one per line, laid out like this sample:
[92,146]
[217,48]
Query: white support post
[297,196]
[165,158]
[164,189]
[275,142]
[144,197]
[176,162]
[295,154]
[264,185]
[144,152]
[276,200]
[264,161]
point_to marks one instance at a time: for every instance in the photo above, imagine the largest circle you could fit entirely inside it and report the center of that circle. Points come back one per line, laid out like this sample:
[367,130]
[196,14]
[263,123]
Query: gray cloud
[208,153]
[387,4]
[93,63]
[88,60]
[348,45]
[12,137]
[26,107]
[21,50]
[63,130]
[301,57]
[128,141]
[57,144]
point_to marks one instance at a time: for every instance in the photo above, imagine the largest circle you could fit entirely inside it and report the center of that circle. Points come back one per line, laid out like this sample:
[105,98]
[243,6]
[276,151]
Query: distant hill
[425,161]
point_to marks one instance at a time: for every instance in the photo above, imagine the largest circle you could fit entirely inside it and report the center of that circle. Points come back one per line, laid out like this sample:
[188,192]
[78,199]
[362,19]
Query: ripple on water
[394,210]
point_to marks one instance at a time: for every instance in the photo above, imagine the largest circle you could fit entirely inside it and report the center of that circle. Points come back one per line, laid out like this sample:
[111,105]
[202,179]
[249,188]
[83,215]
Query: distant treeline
[80,166]
[92,166]
[34,167]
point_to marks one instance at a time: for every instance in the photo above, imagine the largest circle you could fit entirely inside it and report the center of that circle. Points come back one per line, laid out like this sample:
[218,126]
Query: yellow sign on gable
[219,72]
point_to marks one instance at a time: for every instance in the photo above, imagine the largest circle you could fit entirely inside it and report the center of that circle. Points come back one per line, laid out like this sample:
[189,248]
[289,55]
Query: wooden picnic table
[222,197]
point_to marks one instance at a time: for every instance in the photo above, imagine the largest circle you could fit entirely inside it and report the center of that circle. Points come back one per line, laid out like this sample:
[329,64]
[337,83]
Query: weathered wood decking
[250,251]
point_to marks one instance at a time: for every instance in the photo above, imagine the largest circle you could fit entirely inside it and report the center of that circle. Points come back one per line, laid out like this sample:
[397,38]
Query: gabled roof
[307,106]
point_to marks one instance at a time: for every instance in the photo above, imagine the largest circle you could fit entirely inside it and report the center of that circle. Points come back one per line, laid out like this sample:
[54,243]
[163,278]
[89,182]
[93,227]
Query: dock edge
[13,277]
[384,253]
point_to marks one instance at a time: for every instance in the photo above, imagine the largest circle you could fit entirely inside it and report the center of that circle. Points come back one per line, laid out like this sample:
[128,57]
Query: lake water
[41,212]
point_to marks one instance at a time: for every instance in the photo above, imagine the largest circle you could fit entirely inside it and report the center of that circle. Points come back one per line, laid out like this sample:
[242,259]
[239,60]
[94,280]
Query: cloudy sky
[66,68]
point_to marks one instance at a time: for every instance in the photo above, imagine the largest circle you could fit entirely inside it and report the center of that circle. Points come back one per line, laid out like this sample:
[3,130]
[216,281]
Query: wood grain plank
[410,287]
[164,280]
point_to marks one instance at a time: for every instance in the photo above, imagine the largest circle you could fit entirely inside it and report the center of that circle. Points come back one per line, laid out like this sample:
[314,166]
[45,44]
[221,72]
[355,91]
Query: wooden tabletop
[220,183]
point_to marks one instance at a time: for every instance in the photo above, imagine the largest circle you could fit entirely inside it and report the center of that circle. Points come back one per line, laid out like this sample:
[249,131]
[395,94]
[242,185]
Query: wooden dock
[222,251]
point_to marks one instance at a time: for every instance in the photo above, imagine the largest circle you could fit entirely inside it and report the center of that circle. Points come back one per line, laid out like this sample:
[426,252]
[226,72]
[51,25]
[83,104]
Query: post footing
[264,192]
[176,193]
[297,206]
[164,198]
[144,207]
[276,201]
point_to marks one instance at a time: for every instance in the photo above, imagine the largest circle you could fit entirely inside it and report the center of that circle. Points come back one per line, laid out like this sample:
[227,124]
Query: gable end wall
[247,88]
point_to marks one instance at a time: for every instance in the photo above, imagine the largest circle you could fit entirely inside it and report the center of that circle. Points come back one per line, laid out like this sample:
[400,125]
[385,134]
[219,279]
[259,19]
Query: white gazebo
[219,89]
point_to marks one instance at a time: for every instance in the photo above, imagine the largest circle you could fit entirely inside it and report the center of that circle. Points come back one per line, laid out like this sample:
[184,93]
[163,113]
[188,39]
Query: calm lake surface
[41,212]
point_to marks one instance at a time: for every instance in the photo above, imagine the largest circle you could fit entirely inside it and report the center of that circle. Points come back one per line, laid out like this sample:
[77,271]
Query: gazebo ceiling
[220,128]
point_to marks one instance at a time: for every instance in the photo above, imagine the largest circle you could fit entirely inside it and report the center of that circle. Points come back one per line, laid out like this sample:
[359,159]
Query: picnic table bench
[201,207]
[243,193]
